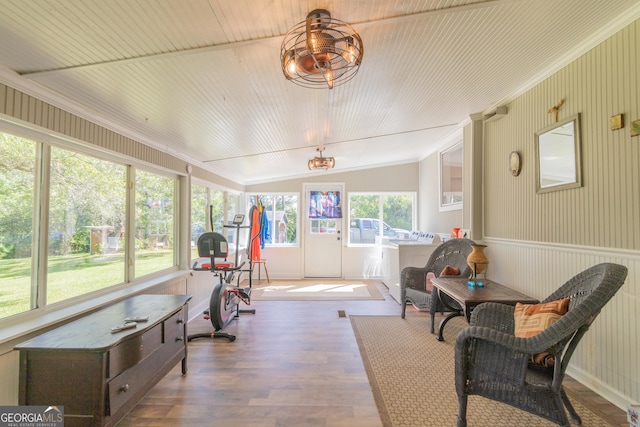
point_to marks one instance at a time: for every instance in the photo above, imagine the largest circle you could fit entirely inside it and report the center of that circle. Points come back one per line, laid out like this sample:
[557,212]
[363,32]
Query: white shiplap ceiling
[201,79]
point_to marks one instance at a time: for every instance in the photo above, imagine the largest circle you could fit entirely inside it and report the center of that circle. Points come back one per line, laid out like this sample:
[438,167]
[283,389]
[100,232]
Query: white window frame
[381,195]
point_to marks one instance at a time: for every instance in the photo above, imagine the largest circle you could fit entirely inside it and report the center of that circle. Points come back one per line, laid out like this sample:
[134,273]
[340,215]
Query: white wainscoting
[9,372]
[607,359]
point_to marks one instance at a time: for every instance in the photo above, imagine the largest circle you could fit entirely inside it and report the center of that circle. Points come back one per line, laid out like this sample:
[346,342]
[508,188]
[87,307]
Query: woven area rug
[411,376]
[316,290]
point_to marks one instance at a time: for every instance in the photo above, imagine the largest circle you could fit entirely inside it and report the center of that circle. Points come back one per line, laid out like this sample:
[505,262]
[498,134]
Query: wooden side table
[471,296]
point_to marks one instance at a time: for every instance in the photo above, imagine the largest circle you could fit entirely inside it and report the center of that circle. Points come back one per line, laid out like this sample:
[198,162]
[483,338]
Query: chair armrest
[482,352]
[495,316]
[413,278]
[500,317]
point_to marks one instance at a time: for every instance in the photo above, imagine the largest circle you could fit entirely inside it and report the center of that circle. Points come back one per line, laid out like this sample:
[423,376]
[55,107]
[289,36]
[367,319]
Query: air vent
[496,115]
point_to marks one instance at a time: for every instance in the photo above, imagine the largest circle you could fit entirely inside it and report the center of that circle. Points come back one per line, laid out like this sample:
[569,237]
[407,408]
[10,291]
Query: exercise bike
[225,297]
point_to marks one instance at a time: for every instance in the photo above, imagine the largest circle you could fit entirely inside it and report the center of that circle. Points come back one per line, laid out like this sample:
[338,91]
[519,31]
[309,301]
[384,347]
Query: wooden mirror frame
[559,149]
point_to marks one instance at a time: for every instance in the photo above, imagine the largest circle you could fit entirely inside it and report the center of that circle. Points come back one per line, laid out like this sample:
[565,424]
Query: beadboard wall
[538,241]
[25,109]
[605,212]
[28,109]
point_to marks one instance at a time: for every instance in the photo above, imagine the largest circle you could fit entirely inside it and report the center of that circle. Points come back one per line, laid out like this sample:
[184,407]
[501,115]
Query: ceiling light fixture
[321,51]
[321,162]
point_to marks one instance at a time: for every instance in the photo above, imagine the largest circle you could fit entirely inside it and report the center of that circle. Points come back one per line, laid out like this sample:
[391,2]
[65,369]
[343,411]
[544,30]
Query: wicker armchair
[491,362]
[413,280]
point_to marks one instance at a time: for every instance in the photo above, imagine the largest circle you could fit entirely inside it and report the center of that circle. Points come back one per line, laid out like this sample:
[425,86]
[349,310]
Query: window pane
[374,216]
[241,234]
[86,225]
[199,209]
[17,177]
[155,195]
[397,211]
[363,213]
[323,226]
[217,211]
[203,200]
[282,216]
[232,207]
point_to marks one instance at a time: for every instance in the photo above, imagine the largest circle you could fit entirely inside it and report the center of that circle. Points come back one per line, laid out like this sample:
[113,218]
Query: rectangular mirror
[558,156]
[450,165]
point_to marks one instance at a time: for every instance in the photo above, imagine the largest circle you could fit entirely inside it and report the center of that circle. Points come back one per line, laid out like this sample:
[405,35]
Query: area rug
[316,290]
[411,376]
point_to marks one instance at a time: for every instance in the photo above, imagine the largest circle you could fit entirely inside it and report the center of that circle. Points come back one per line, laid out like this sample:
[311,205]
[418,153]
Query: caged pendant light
[321,52]
[321,162]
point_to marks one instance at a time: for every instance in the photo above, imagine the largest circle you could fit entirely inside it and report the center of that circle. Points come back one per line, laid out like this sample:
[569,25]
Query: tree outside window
[85,232]
[17,177]
[380,215]
[87,221]
[154,246]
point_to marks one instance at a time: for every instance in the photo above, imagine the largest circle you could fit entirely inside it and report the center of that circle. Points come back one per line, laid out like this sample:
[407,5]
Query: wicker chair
[413,280]
[491,362]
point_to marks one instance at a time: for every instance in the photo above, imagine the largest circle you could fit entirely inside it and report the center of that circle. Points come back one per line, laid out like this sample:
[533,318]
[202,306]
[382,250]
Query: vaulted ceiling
[202,79]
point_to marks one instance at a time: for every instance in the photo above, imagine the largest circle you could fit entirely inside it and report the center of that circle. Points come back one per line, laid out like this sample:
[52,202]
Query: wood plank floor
[293,364]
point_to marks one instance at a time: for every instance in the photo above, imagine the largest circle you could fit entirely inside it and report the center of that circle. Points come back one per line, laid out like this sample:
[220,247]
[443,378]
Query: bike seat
[217,266]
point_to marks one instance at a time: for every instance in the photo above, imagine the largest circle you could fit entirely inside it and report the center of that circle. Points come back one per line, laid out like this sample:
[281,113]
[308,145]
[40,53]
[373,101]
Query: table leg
[444,322]
[454,312]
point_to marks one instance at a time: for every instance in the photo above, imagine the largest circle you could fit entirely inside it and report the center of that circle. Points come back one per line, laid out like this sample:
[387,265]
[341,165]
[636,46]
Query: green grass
[152,261]
[70,276]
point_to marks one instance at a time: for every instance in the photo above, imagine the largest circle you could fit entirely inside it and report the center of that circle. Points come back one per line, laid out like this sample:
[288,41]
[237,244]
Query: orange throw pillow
[450,271]
[531,319]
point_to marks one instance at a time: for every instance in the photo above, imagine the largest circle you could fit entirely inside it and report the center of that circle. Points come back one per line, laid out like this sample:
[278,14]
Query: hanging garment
[253,246]
[265,233]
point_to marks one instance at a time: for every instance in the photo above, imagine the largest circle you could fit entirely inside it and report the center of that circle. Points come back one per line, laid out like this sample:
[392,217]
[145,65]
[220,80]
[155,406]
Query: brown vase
[477,259]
